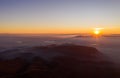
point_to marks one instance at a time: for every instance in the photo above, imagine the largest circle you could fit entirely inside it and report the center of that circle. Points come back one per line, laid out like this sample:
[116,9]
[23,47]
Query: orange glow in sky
[59,16]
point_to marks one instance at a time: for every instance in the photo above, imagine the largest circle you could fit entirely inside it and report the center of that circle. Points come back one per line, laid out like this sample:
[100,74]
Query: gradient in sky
[59,16]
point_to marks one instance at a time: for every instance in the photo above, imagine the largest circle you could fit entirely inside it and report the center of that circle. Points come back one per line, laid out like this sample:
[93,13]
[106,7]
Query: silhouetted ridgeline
[56,61]
[89,36]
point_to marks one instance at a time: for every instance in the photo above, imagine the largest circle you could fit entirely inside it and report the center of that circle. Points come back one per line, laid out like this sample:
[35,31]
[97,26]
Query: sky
[59,16]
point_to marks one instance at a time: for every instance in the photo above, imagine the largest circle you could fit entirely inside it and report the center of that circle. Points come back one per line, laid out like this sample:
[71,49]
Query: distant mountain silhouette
[56,61]
[82,36]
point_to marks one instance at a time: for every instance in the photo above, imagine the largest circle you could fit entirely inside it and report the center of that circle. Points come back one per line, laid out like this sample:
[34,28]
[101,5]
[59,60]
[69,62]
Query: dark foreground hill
[56,61]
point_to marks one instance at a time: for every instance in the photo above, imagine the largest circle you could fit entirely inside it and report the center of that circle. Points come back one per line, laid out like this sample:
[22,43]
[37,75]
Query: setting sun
[96,32]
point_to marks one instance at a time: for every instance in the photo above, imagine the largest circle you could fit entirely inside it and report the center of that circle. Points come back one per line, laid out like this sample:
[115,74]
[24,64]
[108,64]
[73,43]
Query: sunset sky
[59,16]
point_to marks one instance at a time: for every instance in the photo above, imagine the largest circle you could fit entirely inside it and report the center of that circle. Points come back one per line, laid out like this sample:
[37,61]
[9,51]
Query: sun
[97,32]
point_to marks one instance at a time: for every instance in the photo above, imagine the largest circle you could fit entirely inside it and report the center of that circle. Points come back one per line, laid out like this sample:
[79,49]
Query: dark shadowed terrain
[56,61]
